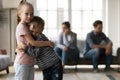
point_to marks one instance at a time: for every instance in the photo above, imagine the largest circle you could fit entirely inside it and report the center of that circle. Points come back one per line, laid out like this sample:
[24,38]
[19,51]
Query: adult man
[97,46]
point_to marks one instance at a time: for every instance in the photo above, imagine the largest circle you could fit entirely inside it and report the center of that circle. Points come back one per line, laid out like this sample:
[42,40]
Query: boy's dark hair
[96,23]
[38,21]
[67,24]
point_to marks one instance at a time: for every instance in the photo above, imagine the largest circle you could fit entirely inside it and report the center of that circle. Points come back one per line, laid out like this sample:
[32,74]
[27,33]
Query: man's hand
[65,48]
[108,50]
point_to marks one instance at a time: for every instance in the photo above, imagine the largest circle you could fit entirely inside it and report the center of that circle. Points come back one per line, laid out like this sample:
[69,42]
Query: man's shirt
[94,39]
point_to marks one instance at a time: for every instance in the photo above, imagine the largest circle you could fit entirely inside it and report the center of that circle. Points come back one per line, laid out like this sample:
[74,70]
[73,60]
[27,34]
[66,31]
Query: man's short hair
[97,22]
[67,24]
[38,21]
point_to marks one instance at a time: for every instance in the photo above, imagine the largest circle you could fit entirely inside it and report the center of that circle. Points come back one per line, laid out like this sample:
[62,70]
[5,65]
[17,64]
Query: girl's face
[26,14]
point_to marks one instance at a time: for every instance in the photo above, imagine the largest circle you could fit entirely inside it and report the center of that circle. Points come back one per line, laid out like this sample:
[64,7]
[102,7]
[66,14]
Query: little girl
[24,64]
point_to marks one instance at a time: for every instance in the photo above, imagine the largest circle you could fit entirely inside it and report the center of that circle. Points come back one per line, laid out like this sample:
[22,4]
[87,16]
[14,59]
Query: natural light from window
[81,14]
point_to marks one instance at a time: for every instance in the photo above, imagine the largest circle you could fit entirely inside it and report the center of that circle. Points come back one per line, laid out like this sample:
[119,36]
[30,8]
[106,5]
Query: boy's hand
[51,44]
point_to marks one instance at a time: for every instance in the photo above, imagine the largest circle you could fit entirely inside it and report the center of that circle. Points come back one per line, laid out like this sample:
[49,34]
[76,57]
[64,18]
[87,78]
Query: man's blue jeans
[72,54]
[95,54]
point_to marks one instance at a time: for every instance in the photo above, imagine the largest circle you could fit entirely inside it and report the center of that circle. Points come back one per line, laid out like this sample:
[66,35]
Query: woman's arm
[60,41]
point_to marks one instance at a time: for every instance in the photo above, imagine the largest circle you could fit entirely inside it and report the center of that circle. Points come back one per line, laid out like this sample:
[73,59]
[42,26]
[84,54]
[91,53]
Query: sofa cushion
[81,45]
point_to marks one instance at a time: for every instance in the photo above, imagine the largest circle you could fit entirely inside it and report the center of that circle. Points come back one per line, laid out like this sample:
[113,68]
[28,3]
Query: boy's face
[35,31]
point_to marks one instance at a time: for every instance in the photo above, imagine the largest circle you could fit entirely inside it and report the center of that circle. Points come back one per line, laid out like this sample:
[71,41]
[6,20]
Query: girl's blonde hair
[22,3]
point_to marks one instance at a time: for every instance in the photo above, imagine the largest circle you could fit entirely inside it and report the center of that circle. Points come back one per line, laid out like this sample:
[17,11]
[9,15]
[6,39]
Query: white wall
[13,3]
[113,20]
[13,29]
[5,32]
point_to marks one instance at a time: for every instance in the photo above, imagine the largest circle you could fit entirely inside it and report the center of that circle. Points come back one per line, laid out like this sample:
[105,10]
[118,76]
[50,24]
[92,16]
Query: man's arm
[91,44]
[99,46]
[108,45]
[109,48]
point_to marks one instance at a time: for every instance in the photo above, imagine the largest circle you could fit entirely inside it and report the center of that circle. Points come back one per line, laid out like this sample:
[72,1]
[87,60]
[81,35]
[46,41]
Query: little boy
[46,58]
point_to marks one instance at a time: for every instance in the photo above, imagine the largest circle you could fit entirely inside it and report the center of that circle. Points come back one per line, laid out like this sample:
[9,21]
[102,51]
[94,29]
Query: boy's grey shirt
[45,56]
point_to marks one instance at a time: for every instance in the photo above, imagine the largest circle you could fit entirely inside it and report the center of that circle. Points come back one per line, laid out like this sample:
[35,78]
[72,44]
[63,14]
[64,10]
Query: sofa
[83,61]
[5,62]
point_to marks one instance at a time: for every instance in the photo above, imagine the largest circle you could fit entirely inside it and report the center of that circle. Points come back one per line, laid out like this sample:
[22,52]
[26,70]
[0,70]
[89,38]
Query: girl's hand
[20,47]
[51,44]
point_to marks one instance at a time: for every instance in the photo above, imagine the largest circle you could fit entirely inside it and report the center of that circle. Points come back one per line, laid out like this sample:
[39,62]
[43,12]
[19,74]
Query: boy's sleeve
[33,51]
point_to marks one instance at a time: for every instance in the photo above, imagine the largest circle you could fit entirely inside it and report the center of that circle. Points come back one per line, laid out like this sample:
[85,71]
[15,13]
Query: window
[81,14]
[84,13]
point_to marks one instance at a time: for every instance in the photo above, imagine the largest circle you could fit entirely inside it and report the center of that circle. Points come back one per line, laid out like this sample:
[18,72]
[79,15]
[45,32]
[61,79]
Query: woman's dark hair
[67,24]
[38,21]
[97,22]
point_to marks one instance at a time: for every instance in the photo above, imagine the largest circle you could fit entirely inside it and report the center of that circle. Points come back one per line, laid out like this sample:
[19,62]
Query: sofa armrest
[118,55]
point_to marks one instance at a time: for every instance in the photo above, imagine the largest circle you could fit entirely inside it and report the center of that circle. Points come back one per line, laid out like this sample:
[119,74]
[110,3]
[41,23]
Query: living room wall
[7,31]
[113,22]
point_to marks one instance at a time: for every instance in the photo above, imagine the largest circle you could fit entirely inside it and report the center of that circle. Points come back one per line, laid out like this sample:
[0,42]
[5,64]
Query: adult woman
[67,44]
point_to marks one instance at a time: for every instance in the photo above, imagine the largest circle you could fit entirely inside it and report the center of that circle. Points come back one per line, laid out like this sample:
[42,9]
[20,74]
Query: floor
[83,73]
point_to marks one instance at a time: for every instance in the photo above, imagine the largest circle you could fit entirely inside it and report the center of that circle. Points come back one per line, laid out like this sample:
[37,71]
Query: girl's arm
[29,50]
[32,42]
